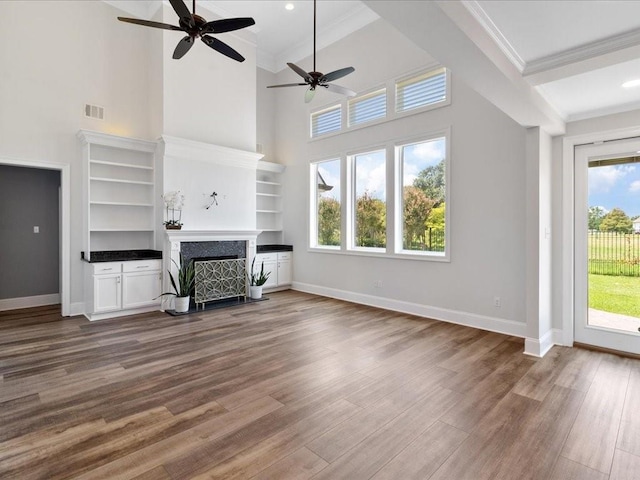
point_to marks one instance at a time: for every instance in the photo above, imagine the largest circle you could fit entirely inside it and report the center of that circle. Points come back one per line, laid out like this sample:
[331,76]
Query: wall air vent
[94,111]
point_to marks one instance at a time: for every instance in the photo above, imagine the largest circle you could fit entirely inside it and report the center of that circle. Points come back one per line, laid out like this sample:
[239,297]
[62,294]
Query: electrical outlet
[497,302]
[36,229]
[377,284]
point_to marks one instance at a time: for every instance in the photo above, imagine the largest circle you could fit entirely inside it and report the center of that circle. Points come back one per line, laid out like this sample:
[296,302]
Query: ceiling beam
[451,35]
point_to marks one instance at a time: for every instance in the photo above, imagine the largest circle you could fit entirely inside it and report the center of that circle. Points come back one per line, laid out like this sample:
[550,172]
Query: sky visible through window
[615,186]
[419,156]
[371,175]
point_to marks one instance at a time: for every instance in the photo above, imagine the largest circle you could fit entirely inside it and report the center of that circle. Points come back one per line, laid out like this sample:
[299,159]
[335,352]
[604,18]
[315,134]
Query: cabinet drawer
[106,267]
[265,257]
[141,265]
[284,256]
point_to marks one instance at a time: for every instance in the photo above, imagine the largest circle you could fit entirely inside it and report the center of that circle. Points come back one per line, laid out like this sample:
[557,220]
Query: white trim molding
[492,324]
[539,347]
[28,302]
[65,222]
[494,32]
[568,220]
[180,148]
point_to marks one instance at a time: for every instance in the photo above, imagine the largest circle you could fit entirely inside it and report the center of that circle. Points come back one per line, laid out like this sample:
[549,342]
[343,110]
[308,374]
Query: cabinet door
[141,289]
[271,266]
[107,292]
[284,269]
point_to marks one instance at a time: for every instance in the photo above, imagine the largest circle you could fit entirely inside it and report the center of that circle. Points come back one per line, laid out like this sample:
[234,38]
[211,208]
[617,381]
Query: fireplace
[220,259]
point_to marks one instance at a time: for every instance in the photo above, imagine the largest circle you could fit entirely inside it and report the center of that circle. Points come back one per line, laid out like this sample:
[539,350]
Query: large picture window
[369,200]
[423,195]
[326,223]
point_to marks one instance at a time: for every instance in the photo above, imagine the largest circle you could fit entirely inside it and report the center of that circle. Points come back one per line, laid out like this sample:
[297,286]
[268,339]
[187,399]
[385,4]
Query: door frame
[65,226]
[568,219]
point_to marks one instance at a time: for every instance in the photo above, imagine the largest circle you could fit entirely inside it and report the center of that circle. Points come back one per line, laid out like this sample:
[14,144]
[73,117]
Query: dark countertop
[274,248]
[123,255]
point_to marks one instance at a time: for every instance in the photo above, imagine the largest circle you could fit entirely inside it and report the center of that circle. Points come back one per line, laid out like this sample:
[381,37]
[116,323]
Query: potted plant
[174,202]
[182,288]
[257,280]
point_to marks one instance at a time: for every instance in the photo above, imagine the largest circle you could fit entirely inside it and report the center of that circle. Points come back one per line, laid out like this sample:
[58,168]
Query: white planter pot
[255,292]
[181,304]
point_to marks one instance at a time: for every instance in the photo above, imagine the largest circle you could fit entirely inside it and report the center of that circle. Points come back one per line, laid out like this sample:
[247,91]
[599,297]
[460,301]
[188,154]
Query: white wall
[266,107]
[487,192]
[209,97]
[70,53]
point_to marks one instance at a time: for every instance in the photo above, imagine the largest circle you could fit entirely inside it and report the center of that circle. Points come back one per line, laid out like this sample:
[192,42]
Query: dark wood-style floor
[301,387]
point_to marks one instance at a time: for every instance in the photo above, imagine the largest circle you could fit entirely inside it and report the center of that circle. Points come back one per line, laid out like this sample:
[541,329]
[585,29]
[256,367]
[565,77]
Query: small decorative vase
[255,292]
[181,304]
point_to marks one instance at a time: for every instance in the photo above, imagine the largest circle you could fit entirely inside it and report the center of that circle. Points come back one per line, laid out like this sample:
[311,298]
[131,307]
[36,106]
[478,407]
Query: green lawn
[615,294]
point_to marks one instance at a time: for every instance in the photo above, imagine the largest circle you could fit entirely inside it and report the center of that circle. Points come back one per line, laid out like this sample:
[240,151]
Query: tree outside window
[370,213]
[423,195]
[328,213]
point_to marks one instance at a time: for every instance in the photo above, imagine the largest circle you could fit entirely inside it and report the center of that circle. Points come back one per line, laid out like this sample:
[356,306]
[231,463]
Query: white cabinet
[284,268]
[118,193]
[123,288]
[107,291]
[279,264]
[269,201]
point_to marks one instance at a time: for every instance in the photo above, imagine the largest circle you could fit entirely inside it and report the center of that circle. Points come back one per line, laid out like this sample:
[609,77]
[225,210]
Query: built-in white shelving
[269,201]
[118,193]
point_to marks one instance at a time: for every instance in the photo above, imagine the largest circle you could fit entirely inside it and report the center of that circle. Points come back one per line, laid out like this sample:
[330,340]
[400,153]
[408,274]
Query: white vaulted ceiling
[575,54]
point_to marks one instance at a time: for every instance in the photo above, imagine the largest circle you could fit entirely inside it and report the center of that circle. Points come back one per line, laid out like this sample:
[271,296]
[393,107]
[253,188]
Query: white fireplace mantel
[178,236]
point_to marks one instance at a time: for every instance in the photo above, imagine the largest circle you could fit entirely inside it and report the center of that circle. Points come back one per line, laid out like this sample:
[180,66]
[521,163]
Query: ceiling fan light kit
[196,26]
[316,79]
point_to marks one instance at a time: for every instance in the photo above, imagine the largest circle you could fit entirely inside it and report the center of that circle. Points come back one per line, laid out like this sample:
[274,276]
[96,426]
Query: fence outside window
[612,253]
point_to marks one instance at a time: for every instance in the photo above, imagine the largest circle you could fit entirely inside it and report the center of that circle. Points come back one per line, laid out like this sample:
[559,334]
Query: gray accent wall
[29,262]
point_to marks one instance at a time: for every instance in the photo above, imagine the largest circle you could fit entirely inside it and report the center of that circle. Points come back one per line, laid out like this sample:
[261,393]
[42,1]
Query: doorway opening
[607,247]
[34,237]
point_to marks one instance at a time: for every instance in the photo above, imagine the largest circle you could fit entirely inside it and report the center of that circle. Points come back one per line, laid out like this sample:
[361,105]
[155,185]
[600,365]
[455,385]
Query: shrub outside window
[369,200]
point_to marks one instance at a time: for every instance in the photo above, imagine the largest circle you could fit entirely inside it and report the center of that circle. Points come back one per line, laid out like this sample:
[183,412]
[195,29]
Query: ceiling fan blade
[148,23]
[331,76]
[300,72]
[309,94]
[183,12]
[288,85]
[338,89]
[222,47]
[227,25]
[183,47]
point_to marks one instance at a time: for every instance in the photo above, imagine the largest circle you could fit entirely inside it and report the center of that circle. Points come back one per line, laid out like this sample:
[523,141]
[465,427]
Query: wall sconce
[213,201]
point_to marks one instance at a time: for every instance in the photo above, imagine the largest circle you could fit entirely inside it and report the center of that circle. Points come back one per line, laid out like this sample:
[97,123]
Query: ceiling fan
[195,26]
[316,79]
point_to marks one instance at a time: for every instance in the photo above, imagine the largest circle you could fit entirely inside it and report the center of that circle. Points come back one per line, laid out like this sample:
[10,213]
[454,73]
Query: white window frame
[380,91]
[313,205]
[351,201]
[333,106]
[428,106]
[398,196]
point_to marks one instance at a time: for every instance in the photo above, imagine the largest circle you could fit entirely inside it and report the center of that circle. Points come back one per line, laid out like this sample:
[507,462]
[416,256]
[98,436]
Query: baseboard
[76,309]
[121,313]
[539,347]
[28,302]
[498,325]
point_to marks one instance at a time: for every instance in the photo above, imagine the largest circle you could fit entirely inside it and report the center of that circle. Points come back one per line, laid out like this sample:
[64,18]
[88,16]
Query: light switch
[36,229]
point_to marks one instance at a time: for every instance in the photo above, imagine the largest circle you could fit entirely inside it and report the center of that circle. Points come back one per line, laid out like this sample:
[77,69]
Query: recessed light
[289,6]
[631,83]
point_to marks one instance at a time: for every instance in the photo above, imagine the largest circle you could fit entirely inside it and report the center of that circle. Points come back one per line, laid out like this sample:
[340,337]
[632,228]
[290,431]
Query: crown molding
[494,32]
[584,52]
